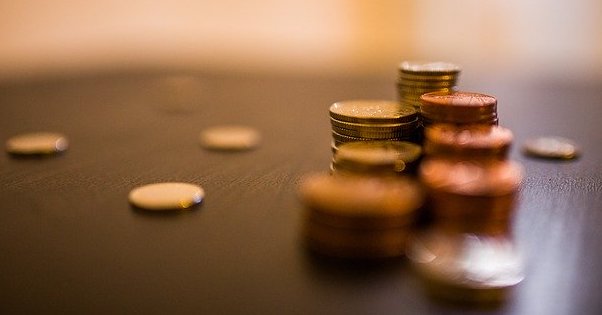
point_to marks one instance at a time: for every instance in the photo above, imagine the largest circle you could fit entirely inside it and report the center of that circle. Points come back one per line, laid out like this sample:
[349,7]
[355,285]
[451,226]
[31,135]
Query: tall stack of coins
[471,257]
[458,108]
[358,217]
[376,158]
[372,120]
[417,78]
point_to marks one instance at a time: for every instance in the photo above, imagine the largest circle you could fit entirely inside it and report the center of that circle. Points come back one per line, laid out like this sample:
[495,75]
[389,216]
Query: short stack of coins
[472,190]
[458,107]
[417,78]
[376,158]
[358,217]
[372,120]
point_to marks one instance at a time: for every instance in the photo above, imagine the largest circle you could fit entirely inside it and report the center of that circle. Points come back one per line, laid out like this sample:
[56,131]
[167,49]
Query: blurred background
[552,38]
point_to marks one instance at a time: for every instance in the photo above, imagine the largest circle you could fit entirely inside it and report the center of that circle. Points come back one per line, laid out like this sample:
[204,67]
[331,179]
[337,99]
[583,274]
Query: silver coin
[230,137]
[37,143]
[166,196]
[551,148]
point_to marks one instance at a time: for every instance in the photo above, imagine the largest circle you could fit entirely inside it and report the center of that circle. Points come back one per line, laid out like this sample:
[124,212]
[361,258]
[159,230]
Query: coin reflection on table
[466,268]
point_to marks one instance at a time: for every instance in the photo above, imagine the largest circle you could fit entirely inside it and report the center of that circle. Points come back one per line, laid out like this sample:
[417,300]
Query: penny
[469,142]
[166,196]
[37,143]
[551,148]
[230,138]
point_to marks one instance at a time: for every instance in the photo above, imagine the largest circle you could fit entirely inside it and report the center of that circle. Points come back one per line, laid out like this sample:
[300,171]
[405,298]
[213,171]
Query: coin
[230,137]
[551,148]
[166,196]
[37,143]
[371,134]
[378,153]
[472,178]
[427,67]
[360,197]
[469,142]
[374,127]
[372,111]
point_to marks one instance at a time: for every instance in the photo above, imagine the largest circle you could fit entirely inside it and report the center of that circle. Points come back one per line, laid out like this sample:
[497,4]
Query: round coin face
[230,138]
[366,111]
[551,148]
[426,67]
[166,196]
[37,143]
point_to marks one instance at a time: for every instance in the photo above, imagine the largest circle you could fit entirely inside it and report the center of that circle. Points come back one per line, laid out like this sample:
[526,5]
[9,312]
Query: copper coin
[471,178]
[470,142]
[458,106]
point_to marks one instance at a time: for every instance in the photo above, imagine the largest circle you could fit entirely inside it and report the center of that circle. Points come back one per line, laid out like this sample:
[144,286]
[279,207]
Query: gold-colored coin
[37,143]
[551,148]
[360,197]
[372,111]
[166,196]
[379,152]
[339,138]
[406,84]
[395,134]
[427,78]
[428,68]
[374,127]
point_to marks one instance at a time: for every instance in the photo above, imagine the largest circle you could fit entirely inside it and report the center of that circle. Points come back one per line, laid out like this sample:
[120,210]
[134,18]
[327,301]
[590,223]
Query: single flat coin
[230,138]
[166,196]
[551,148]
[369,111]
[37,143]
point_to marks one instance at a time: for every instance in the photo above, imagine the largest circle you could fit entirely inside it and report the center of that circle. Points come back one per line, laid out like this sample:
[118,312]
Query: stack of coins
[472,201]
[376,158]
[358,217]
[467,142]
[417,78]
[460,108]
[372,120]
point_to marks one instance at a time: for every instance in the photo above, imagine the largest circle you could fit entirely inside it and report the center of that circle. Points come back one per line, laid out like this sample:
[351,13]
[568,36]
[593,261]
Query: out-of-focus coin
[360,197]
[469,142]
[37,143]
[551,148]
[378,153]
[426,67]
[372,111]
[166,196]
[230,137]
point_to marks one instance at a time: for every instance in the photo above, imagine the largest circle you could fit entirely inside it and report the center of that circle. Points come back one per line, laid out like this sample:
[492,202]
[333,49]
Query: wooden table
[70,242]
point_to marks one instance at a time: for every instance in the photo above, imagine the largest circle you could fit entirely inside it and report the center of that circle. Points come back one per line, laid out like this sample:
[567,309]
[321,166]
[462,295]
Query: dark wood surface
[70,242]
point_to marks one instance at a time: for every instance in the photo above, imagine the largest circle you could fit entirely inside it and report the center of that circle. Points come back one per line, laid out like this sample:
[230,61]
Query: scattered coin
[37,143]
[551,148]
[230,138]
[166,196]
